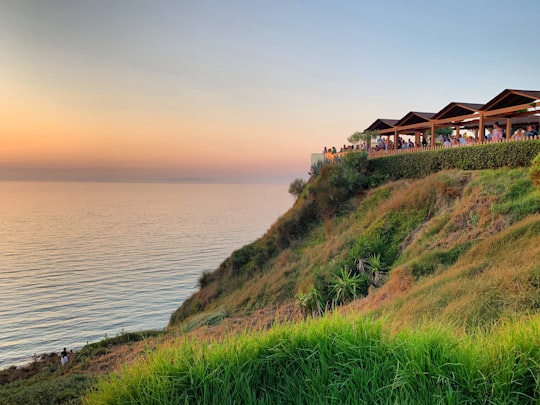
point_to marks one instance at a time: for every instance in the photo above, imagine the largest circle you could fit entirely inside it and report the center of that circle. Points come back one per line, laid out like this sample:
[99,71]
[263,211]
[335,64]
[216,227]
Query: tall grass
[336,360]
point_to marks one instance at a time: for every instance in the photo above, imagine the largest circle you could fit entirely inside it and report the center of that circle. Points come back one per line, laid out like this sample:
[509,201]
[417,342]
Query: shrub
[205,279]
[296,187]
[242,256]
[488,156]
[346,286]
[337,182]
[316,168]
[295,224]
[534,171]
[311,303]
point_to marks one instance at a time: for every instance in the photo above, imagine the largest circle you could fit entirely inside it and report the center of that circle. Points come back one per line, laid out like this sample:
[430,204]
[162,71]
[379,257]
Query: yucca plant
[346,286]
[311,303]
[373,268]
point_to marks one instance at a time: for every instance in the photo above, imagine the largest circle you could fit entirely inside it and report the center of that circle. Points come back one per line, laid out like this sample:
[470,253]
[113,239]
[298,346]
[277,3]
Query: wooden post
[457,131]
[433,133]
[481,129]
[508,129]
[395,139]
[417,138]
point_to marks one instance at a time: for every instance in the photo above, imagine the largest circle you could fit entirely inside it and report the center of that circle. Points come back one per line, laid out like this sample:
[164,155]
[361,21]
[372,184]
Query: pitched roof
[456,109]
[510,97]
[381,123]
[414,117]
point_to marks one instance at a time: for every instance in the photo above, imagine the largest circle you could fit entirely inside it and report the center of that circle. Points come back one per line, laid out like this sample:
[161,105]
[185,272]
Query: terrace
[512,109]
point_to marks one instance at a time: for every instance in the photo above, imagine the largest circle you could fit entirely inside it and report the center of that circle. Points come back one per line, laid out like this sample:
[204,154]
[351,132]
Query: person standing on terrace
[379,142]
[489,136]
[531,132]
[497,132]
[518,135]
[447,143]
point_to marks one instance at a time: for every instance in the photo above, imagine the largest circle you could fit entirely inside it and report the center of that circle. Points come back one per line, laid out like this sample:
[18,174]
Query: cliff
[458,246]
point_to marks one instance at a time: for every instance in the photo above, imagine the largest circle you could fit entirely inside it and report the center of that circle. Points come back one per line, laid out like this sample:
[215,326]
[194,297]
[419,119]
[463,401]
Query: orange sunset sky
[237,90]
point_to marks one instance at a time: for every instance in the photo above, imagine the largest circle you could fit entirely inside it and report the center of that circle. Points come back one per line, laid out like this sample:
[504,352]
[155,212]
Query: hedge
[477,157]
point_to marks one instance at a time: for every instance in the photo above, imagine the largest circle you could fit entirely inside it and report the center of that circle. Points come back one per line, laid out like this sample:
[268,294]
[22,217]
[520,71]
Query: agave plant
[346,286]
[311,303]
[373,268]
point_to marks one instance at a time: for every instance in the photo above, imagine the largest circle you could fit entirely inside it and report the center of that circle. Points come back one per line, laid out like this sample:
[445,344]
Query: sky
[237,91]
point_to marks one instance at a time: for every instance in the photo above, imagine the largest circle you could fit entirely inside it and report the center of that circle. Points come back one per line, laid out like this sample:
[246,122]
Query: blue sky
[239,90]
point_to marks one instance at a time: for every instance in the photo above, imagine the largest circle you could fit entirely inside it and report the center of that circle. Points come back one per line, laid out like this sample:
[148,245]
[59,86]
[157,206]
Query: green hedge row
[478,157]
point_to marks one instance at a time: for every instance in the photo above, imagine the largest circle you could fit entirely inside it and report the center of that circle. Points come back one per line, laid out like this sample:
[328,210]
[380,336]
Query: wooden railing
[372,154]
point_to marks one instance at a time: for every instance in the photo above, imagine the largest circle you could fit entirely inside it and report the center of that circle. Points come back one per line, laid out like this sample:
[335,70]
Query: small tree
[355,138]
[444,132]
[365,136]
[296,187]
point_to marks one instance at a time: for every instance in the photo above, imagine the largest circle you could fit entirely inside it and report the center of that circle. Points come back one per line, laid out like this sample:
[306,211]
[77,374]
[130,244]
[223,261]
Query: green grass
[437,260]
[335,360]
[45,390]
[516,195]
[53,384]
[205,318]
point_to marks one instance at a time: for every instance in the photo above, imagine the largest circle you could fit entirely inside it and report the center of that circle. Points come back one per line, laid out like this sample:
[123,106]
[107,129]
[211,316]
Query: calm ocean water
[79,261]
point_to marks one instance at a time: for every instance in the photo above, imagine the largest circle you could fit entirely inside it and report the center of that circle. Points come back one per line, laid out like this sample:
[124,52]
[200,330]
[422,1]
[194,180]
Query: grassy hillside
[456,246]
[453,316]
[337,360]
[423,289]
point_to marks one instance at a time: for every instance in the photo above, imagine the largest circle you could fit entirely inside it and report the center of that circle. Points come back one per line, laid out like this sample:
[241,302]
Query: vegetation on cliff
[346,239]
[420,271]
[435,277]
[339,360]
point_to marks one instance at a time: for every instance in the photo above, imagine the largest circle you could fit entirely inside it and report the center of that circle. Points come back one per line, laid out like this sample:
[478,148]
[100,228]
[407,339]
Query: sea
[83,261]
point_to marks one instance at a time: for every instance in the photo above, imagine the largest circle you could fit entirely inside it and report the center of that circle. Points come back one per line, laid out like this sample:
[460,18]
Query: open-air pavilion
[510,107]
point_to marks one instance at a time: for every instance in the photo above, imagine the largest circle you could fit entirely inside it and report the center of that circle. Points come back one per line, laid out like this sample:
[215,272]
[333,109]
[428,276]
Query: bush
[534,171]
[347,285]
[296,187]
[337,182]
[488,156]
[242,256]
[311,303]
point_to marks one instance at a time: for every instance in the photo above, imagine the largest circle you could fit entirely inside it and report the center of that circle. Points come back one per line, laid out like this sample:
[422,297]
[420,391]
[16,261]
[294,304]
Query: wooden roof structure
[509,105]
[381,124]
[455,110]
[508,99]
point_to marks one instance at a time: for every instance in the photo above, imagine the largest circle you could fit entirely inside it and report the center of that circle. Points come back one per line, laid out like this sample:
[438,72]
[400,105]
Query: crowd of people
[494,134]
[345,148]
